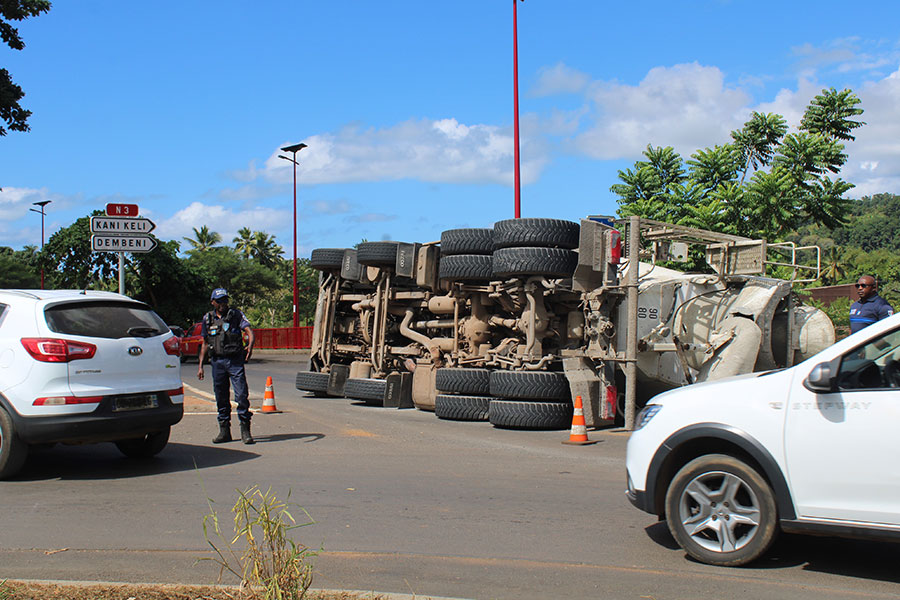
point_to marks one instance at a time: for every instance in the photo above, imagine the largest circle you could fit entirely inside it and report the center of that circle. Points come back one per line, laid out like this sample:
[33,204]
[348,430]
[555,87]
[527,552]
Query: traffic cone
[578,436]
[268,405]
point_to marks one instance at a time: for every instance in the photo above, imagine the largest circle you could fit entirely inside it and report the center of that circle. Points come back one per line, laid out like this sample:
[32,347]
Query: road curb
[363,594]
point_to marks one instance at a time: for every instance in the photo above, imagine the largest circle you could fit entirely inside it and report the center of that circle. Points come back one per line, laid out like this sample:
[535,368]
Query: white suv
[80,367]
[812,449]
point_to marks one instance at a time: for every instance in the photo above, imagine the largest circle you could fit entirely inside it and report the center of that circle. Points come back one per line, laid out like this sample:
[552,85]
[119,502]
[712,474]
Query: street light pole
[294,149]
[42,204]
[518,209]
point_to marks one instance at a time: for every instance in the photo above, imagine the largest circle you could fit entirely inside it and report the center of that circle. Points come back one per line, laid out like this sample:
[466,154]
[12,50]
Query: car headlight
[647,413]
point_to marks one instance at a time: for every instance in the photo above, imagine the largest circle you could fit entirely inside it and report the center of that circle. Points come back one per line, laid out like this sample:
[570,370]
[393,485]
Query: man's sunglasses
[862,285]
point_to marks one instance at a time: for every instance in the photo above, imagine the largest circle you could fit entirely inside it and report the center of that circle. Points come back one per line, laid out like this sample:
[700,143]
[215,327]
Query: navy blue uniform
[228,368]
[866,311]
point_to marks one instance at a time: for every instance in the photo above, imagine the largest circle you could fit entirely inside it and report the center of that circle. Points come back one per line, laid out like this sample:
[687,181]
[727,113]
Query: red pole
[296,311]
[516,110]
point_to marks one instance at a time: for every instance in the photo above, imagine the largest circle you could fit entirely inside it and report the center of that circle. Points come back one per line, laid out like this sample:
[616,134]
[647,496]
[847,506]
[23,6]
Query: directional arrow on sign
[122,243]
[119,225]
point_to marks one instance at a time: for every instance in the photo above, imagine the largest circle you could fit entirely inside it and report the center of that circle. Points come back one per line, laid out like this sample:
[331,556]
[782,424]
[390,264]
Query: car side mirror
[821,378]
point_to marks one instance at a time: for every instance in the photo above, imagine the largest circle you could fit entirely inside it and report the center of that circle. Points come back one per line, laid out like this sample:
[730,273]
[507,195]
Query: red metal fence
[283,337]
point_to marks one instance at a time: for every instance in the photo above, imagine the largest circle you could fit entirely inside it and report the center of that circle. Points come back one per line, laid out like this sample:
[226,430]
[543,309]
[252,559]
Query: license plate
[135,402]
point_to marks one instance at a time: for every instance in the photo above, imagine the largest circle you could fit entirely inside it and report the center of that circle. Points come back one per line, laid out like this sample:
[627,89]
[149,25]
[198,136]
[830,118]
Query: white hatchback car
[79,367]
[809,449]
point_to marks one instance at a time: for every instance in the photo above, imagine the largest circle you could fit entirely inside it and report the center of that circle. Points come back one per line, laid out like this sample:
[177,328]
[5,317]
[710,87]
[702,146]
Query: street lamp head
[294,148]
[42,203]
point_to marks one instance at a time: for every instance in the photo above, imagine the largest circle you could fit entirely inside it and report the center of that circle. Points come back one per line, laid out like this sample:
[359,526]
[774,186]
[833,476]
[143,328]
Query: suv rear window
[104,319]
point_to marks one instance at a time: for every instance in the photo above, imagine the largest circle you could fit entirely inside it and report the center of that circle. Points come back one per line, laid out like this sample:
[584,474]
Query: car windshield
[104,319]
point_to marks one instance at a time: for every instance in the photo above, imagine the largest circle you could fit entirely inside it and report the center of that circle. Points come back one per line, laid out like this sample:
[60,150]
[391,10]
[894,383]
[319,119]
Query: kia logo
[135,351]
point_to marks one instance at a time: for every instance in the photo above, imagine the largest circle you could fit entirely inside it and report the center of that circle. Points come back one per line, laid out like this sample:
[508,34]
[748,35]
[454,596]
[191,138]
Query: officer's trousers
[227,369]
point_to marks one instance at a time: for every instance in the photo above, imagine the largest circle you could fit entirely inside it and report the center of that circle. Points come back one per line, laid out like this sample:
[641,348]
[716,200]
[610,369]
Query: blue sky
[407,106]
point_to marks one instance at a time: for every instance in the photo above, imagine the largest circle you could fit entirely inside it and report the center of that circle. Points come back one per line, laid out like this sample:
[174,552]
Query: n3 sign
[121,210]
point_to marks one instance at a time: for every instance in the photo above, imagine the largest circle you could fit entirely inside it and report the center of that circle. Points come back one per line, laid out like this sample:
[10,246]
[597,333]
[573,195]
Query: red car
[191,342]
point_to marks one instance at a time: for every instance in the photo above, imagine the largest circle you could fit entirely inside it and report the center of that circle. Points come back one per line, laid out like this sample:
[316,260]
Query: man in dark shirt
[870,307]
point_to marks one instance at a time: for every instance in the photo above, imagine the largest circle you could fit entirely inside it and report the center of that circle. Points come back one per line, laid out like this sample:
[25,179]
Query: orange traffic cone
[578,437]
[268,405]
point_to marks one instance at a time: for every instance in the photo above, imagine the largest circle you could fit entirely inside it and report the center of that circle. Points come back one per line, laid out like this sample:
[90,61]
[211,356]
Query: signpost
[122,231]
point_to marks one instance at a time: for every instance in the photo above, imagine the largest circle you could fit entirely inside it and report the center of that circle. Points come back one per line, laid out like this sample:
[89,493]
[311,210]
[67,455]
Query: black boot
[224,434]
[245,433]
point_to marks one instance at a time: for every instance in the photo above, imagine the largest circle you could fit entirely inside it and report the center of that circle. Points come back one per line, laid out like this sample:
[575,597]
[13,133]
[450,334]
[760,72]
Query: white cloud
[559,79]
[15,204]
[224,221]
[370,218]
[330,207]
[437,151]
[687,106]
[874,164]
[844,55]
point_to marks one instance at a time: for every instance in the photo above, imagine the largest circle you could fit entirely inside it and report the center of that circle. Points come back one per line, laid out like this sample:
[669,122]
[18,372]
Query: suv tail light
[173,346]
[57,350]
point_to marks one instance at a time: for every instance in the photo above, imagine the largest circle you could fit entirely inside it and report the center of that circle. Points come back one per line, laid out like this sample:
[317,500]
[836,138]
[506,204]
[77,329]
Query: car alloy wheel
[721,511]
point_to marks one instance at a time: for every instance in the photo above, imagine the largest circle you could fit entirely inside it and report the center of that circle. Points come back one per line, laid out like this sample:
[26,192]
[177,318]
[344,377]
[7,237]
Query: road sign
[122,243]
[122,210]
[121,225]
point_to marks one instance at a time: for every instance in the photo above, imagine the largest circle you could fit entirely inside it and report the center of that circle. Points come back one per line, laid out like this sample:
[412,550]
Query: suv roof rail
[24,293]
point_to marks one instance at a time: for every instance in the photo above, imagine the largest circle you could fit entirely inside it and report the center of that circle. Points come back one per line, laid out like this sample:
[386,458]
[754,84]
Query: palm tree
[243,243]
[264,249]
[203,240]
[833,271]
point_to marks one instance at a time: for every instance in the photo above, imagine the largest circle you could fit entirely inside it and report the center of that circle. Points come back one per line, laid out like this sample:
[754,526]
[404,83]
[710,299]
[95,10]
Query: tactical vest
[224,333]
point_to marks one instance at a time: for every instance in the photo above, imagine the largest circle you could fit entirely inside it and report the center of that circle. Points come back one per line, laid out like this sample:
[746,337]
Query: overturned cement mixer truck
[509,324]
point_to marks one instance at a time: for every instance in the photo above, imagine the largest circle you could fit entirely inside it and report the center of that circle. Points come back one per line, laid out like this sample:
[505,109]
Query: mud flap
[336,380]
[398,391]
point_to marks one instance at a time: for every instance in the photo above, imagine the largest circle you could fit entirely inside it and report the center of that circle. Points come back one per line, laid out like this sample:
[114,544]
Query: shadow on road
[659,533]
[283,437]
[863,559]
[104,461]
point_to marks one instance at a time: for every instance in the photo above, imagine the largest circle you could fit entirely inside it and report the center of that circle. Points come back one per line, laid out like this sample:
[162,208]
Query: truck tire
[370,390]
[463,381]
[310,381]
[519,414]
[326,259]
[462,408]
[13,451]
[467,241]
[145,446]
[545,233]
[466,267]
[530,385]
[550,262]
[377,254]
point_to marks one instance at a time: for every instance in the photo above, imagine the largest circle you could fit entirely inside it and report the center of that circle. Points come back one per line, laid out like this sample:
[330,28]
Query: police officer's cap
[219,293]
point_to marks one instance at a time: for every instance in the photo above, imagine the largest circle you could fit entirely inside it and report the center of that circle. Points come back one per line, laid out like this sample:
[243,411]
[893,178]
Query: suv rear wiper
[143,331]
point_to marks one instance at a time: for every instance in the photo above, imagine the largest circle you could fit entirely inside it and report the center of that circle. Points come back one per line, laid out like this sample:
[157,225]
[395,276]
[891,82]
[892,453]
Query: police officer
[870,307]
[221,331]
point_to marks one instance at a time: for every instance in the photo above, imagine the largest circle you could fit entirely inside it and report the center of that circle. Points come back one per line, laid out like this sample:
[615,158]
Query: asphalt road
[402,502]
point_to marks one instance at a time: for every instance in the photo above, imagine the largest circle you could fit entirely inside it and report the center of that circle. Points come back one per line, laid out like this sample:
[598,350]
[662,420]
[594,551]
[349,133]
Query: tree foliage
[203,240]
[764,183]
[11,112]
[69,262]
[19,269]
